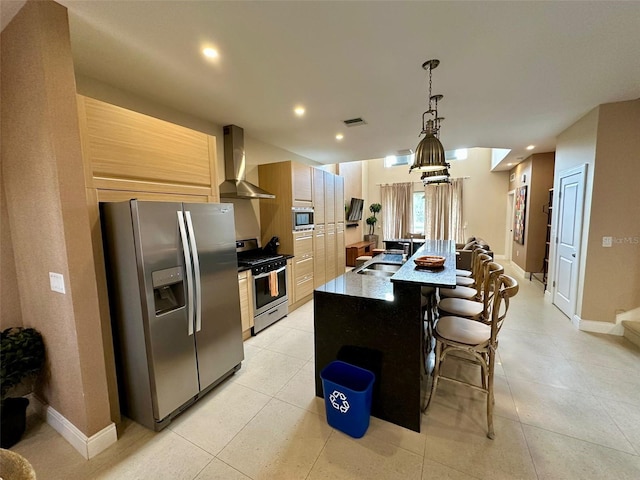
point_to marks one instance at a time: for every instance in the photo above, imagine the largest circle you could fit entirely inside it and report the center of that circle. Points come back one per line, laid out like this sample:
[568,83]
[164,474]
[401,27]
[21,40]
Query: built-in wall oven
[302,218]
[270,289]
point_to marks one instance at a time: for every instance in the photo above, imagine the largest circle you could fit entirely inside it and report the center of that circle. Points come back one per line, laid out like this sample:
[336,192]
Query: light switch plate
[607,241]
[56,280]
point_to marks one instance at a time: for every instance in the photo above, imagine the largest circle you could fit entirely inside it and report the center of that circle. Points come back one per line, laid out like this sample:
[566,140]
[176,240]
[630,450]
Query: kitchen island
[372,317]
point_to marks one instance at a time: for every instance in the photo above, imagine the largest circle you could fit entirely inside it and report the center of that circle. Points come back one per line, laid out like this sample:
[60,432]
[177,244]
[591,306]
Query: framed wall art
[519,214]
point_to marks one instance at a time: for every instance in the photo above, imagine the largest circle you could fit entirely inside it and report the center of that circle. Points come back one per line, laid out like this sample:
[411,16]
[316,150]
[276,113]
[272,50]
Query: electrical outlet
[607,241]
[56,280]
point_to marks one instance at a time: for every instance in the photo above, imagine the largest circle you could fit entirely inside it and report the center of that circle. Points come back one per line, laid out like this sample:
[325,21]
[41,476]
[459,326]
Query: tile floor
[567,407]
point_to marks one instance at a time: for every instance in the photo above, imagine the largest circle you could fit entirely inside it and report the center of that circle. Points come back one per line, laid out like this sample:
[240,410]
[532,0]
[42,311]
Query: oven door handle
[262,275]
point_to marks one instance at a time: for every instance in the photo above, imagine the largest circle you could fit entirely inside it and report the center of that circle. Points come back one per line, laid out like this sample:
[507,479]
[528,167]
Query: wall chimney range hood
[235,185]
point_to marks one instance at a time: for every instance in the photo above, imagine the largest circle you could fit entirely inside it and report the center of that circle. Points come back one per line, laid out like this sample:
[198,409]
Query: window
[418,212]
[398,160]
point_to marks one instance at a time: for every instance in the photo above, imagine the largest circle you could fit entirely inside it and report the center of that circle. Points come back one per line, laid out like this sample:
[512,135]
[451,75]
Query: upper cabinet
[129,151]
[329,197]
[318,196]
[302,179]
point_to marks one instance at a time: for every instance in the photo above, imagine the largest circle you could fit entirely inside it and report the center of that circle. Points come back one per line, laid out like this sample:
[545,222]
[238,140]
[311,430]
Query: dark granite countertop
[444,277]
[365,286]
[381,288]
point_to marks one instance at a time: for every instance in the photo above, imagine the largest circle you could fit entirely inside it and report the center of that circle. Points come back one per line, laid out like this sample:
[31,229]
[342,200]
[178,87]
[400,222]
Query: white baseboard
[519,270]
[88,447]
[598,327]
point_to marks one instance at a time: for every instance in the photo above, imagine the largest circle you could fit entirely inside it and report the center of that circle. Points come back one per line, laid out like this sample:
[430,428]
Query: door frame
[508,242]
[553,254]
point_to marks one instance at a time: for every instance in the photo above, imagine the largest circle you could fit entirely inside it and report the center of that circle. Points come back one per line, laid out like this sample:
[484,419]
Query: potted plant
[371,221]
[21,357]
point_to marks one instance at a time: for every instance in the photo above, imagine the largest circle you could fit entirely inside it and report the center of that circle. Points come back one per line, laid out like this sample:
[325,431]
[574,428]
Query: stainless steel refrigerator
[174,300]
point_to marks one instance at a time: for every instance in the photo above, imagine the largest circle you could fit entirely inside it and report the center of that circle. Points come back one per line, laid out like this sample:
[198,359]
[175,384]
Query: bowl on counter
[429,261]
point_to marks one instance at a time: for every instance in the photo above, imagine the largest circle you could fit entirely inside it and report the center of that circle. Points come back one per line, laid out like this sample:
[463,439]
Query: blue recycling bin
[347,397]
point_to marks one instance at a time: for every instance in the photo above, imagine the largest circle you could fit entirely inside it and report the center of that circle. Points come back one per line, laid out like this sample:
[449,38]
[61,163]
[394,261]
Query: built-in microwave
[302,218]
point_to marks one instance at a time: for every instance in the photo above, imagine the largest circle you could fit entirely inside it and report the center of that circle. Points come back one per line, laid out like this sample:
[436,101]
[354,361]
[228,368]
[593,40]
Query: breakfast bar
[372,317]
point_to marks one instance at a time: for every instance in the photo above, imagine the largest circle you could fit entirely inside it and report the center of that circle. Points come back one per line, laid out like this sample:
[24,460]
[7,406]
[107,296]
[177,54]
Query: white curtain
[397,210]
[443,211]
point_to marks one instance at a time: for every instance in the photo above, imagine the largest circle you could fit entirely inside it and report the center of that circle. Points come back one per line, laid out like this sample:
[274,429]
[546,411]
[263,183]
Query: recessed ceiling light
[299,111]
[509,164]
[531,147]
[339,136]
[210,52]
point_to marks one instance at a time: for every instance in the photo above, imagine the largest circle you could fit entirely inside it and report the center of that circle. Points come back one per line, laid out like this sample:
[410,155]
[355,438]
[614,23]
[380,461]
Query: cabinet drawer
[302,267]
[304,287]
[303,245]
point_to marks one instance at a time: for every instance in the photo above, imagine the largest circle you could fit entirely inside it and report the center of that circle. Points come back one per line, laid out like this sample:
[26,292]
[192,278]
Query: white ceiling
[512,73]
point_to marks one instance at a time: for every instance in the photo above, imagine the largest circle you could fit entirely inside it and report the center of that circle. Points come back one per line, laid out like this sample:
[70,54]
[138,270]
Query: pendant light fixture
[429,156]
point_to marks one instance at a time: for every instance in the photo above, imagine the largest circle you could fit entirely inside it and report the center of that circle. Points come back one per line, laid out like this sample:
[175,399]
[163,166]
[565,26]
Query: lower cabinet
[246,308]
[302,265]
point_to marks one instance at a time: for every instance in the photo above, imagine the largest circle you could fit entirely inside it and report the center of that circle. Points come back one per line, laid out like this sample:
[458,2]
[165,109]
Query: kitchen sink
[380,269]
[385,267]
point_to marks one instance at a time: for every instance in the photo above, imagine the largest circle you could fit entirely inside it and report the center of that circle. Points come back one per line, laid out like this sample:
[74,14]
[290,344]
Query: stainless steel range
[270,289]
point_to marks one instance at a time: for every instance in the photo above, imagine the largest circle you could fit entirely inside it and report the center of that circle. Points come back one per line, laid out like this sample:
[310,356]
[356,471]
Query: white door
[568,235]
[508,241]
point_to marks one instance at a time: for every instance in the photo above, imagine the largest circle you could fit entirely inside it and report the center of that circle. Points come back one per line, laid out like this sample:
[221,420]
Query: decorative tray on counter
[429,261]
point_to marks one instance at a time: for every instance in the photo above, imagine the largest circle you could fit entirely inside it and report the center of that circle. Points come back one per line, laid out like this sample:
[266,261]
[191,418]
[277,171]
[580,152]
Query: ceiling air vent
[354,122]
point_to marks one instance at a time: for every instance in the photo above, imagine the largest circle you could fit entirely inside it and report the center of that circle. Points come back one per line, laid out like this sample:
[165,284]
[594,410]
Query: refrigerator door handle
[187,266]
[196,271]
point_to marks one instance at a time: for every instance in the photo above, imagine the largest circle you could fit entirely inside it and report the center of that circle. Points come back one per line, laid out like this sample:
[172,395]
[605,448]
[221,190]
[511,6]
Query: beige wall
[612,275]
[484,196]
[10,314]
[536,172]
[43,181]
[606,140]
[352,173]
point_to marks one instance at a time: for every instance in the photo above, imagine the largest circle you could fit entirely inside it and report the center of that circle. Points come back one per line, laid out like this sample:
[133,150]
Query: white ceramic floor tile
[611,383]
[165,455]
[558,457]
[567,412]
[554,371]
[281,442]
[627,417]
[301,392]
[433,470]
[267,336]
[473,402]
[218,417]
[300,320]
[269,371]
[459,441]
[396,435]
[296,343]
[601,350]
[218,470]
[527,344]
[345,458]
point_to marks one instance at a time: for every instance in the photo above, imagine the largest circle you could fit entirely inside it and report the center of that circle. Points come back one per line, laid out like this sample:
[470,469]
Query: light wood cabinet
[329,198]
[246,310]
[319,249]
[303,265]
[339,198]
[318,196]
[290,284]
[330,251]
[129,151]
[319,253]
[302,184]
[341,259]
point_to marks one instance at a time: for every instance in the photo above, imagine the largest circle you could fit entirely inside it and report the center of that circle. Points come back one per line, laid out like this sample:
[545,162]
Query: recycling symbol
[339,401]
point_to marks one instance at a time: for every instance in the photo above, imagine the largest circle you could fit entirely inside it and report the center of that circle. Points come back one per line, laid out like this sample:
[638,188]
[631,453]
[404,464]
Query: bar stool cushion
[463,273]
[458,292]
[461,307]
[463,330]
[464,281]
